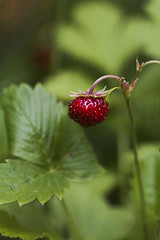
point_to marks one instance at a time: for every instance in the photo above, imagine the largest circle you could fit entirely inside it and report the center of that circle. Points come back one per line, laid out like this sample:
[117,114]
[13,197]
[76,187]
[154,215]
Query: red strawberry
[88,111]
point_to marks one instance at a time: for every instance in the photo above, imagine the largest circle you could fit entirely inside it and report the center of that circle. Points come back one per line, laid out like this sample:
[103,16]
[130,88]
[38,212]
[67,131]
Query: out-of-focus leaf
[149,159]
[65,82]
[146,30]
[46,148]
[146,102]
[100,34]
[151,31]
[14,69]
[95,217]
[152,8]
[28,222]
[11,228]
[3,137]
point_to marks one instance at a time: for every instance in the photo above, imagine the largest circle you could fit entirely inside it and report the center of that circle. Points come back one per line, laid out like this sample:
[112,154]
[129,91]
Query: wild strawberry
[88,110]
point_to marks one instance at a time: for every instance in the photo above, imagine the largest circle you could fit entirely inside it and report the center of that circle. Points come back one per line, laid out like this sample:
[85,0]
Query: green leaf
[95,217]
[65,82]
[23,181]
[46,148]
[30,122]
[100,35]
[146,29]
[146,97]
[31,221]
[149,159]
[11,228]
[151,33]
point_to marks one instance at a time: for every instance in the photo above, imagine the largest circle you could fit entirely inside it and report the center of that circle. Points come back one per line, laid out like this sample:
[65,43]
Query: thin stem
[140,67]
[150,62]
[102,78]
[138,171]
[73,226]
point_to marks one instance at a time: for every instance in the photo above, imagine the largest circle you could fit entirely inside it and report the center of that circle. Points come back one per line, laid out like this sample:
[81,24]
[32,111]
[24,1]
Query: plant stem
[102,78]
[140,67]
[137,167]
[73,226]
[150,62]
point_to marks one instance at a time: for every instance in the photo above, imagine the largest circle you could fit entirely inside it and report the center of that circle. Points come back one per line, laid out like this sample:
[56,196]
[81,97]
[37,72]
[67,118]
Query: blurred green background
[67,44]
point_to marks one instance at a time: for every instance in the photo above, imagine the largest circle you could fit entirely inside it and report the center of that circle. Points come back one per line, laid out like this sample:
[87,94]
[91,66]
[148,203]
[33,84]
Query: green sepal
[110,91]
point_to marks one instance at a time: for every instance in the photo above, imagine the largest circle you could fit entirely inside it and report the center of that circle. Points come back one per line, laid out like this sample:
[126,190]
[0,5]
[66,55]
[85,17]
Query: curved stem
[137,167]
[149,62]
[102,78]
[73,226]
[140,67]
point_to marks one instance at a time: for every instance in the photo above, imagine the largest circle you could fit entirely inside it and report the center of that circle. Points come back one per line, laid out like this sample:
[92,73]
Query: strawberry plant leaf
[24,181]
[46,149]
[30,123]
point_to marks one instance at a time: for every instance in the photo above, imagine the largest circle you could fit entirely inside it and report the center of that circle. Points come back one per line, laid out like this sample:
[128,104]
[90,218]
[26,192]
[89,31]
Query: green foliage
[146,103]
[95,217]
[93,214]
[100,35]
[66,81]
[150,31]
[29,222]
[42,151]
[3,137]
[149,158]
[14,69]
[46,149]
[10,227]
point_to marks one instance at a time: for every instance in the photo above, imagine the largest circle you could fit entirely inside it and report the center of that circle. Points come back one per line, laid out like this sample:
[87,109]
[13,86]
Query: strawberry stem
[137,167]
[102,78]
